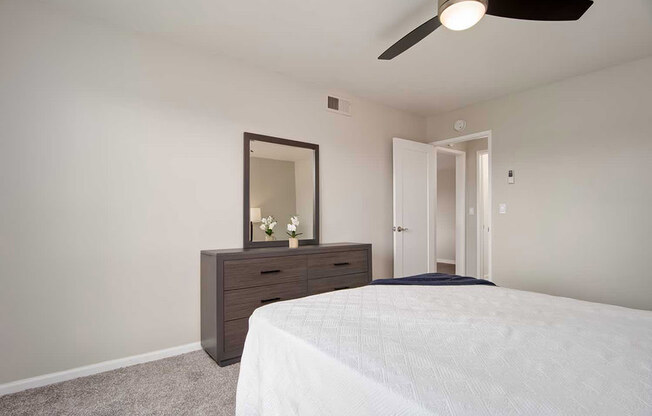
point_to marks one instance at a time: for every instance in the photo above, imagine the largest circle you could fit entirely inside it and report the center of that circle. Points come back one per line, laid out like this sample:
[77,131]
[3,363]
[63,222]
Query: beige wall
[121,158]
[273,190]
[578,220]
[445,209]
[305,175]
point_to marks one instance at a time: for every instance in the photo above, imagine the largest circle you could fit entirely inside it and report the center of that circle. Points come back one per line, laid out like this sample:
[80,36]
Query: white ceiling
[334,44]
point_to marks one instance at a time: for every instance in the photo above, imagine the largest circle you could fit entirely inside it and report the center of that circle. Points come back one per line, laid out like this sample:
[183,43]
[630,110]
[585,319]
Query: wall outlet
[502,208]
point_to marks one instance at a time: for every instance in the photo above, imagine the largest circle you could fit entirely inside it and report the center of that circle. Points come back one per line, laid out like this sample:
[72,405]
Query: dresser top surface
[286,250]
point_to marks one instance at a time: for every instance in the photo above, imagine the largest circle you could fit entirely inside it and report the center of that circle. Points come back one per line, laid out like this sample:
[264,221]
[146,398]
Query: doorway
[415,205]
[450,228]
[477,212]
[483,210]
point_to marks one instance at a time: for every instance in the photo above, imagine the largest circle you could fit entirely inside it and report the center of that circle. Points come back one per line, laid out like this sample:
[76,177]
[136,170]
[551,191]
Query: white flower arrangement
[292,227]
[268,225]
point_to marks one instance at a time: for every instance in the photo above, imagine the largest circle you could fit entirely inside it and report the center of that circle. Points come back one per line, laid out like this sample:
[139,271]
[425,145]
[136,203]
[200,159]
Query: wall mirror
[281,180]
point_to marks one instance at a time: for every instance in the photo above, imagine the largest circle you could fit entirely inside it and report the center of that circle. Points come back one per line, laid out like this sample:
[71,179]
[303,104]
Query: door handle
[269,300]
[399,229]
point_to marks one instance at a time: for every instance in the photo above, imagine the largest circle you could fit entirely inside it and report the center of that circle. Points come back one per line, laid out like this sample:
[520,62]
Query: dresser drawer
[329,284]
[266,271]
[241,303]
[336,264]
[235,333]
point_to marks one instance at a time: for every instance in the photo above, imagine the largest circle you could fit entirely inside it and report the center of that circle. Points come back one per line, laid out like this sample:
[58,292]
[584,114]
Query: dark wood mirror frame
[248,138]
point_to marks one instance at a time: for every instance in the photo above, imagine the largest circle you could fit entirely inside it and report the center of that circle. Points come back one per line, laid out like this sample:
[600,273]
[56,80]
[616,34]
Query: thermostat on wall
[460,125]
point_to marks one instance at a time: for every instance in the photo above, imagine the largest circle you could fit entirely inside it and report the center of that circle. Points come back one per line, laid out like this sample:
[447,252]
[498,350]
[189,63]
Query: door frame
[478,204]
[460,207]
[474,136]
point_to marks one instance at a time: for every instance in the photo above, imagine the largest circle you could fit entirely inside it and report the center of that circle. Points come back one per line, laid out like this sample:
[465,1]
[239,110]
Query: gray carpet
[188,384]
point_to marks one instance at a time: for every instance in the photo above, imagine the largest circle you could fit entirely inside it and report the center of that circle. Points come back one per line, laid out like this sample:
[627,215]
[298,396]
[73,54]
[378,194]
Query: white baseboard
[446,261]
[87,370]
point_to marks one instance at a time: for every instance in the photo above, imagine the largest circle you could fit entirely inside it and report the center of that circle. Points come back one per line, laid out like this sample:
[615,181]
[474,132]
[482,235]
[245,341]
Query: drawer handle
[340,288]
[269,300]
[346,263]
[270,271]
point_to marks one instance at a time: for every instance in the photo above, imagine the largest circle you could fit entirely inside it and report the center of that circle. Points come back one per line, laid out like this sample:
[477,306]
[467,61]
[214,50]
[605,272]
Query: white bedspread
[473,350]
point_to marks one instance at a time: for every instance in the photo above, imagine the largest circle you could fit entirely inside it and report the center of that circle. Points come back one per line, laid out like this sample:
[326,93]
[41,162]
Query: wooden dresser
[237,281]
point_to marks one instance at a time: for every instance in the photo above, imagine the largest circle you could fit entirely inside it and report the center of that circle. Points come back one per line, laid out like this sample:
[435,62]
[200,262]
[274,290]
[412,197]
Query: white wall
[445,208]
[121,158]
[578,221]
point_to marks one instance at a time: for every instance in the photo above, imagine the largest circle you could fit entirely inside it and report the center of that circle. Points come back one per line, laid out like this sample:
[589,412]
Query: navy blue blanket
[434,279]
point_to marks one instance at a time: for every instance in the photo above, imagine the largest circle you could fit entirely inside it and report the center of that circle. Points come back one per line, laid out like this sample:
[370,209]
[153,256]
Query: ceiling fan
[463,14]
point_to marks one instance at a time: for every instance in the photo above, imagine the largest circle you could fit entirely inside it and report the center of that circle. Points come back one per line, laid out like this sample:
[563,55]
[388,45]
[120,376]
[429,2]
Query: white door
[415,193]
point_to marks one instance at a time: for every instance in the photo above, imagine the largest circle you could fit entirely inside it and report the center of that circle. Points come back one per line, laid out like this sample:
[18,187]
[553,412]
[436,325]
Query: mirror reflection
[281,187]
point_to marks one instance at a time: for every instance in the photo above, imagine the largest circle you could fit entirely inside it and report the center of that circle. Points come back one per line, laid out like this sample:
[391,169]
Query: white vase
[294,242]
[270,237]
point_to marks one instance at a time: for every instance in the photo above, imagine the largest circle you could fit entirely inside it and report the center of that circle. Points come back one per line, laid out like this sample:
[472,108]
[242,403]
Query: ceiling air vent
[339,105]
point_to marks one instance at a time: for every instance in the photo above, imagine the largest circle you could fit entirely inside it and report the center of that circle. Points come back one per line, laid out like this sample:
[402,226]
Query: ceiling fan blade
[411,39]
[547,10]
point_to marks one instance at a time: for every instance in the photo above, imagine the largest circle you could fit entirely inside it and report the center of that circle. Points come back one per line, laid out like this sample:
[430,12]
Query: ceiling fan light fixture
[461,14]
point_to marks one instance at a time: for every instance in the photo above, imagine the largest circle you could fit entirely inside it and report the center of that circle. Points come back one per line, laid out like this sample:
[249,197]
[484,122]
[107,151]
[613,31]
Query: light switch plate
[502,208]
[471,211]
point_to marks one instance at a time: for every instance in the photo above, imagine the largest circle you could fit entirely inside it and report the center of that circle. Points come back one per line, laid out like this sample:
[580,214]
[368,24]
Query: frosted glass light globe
[461,15]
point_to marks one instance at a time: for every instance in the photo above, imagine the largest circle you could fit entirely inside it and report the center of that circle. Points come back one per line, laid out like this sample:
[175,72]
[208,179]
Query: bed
[452,350]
